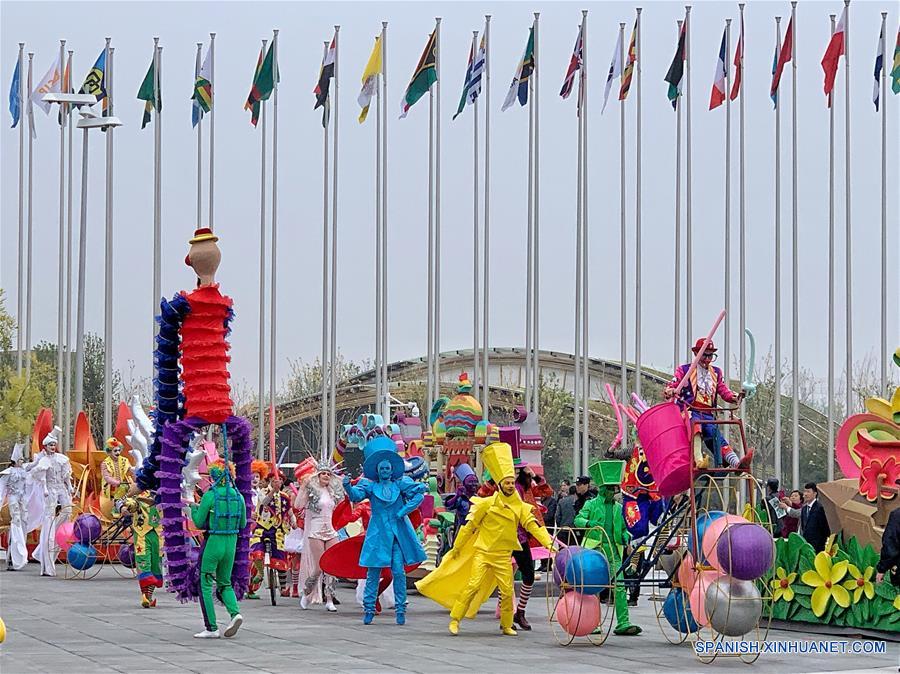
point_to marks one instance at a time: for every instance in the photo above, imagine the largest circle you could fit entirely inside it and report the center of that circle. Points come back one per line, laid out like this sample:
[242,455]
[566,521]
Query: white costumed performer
[318,496]
[25,508]
[53,472]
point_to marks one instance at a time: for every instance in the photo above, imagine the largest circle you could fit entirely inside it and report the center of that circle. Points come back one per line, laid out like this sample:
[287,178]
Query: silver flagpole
[384,225]
[726,350]
[30,229]
[20,268]
[437,214]
[199,144]
[261,396]
[212,125]
[623,249]
[332,424]
[82,273]
[689,267]
[67,368]
[61,265]
[536,272]
[884,230]
[108,262]
[848,211]
[831,335]
[676,325]
[795,328]
[742,245]
[637,215]
[585,252]
[157,180]
[476,272]
[379,276]
[777,284]
[325,280]
[529,255]
[274,254]
[430,305]
[579,215]
[486,385]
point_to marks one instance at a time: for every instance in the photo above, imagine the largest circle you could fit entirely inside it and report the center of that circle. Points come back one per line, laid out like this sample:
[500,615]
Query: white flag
[51,82]
[615,70]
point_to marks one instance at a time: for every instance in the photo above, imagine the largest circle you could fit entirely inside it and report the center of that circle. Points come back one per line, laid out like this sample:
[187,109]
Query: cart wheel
[273,585]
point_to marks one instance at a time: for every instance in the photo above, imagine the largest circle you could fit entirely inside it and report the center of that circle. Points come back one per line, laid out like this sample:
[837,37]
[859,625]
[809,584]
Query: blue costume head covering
[380,449]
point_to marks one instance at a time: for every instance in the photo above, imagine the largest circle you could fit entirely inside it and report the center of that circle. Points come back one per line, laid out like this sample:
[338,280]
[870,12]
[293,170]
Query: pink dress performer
[317,497]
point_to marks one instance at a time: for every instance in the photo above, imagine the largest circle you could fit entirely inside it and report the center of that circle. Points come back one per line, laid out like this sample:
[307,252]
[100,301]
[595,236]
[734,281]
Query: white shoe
[304,601]
[331,607]
[234,626]
[206,634]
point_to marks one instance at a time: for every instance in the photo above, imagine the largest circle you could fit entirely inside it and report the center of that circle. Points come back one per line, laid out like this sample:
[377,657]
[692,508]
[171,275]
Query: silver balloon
[733,606]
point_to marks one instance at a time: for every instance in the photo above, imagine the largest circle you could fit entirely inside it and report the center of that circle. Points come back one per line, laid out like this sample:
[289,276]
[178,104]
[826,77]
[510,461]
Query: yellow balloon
[2,631]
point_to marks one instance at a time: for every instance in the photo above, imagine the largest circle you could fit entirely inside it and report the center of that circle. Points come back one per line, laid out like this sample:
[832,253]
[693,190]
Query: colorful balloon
[65,535]
[733,606]
[126,555]
[588,572]
[697,596]
[745,551]
[81,557]
[703,522]
[561,561]
[678,613]
[87,528]
[713,534]
[578,614]
[686,572]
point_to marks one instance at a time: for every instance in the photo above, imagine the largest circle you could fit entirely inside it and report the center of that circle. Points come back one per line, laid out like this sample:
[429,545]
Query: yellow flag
[370,80]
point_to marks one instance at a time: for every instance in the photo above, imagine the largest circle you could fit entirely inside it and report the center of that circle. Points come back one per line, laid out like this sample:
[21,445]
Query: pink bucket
[664,437]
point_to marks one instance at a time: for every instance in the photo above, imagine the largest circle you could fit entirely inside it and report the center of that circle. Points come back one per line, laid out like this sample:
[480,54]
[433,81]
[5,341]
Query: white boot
[329,605]
[304,601]
[234,625]
[206,634]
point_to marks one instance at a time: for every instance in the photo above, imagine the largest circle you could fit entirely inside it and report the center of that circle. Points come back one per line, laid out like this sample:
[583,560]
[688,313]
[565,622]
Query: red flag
[787,52]
[833,53]
[738,64]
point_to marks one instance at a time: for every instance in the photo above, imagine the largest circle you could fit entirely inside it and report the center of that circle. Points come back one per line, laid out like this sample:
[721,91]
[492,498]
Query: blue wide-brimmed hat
[379,449]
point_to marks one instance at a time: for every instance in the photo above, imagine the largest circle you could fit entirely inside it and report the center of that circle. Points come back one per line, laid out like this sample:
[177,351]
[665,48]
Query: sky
[304,25]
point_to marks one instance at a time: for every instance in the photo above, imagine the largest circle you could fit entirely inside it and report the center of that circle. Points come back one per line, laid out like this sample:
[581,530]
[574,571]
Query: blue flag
[773,94]
[15,96]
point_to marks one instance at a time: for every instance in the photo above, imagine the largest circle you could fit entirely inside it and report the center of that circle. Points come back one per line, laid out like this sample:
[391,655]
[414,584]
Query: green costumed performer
[604,512]
[145,538]
[222,514]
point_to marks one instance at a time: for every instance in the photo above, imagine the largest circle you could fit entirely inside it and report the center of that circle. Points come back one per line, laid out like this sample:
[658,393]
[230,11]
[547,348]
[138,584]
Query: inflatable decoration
[745,551]
[463,412]
[697,596]
[587,571]
[65,535]
[126,555]
[733,607]
[81,557]
[713,533]
[704,520]
[678,613]
[561,562]
[87,528]
[578,614]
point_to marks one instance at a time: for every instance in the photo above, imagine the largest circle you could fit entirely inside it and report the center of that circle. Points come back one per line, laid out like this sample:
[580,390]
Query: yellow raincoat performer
[480,558]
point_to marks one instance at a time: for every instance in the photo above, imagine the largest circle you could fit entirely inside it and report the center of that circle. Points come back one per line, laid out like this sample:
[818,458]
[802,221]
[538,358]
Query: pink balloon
[65,535]
[711,536]
[698,595]
[686,573]
[578,614]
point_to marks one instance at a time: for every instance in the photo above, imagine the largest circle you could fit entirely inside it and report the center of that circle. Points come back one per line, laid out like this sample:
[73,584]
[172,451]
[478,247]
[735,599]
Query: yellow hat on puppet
[498,459]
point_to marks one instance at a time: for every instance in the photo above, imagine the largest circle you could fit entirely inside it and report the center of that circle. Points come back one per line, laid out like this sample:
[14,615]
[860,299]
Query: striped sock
[731,458]
[524,596]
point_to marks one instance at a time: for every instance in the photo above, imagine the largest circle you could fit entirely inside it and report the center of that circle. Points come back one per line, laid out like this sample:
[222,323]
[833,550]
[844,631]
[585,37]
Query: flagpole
[108,266]
[157,180]
[585,252]
[212,125]
[831,279]
[726,367]
[689,268]
[529,254]
[379,312]
[536,369]
[325,280]
[332,437]
[67,369]
[795,279]
[430,304]
[30,228]
[82,271]
[20,270]
[384,226]
[199,142]
[884,230]
[261,397]
[742,245]
[274,249]
[476,272]
[847,210]
[437,214]
[637,217]
[623,246]
[777,285]
[61,265]
[579,214]
[486,385]
[676,358]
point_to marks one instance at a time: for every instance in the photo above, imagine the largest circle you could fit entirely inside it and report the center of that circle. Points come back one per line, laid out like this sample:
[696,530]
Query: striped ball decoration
[463,412]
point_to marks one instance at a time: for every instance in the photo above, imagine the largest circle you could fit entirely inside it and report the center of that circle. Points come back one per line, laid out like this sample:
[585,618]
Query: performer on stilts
[53,472]
[23,505]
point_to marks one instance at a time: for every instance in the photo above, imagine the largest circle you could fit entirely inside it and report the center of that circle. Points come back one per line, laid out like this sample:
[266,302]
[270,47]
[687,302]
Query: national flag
[615,70]
[833,53]
[717,95]
[370,75]
[472,84]
[51,82]
[675,75]
[629,64]
[263,82]
[773,94]
[326,73]
[879,66]
[575,62]
[787,53]
[738,64]
[518,88]
[424,76]
[151,92]
[95,80]
[15,96]
[895,70]
[203,89]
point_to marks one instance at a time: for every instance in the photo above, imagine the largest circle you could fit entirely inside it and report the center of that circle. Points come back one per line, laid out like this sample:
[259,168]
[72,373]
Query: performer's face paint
[385,470]
[508,486]
[51,447]
[324,479]
[256,479]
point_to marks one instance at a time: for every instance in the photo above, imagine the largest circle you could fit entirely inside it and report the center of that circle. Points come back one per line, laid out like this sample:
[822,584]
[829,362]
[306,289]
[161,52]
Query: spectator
[564,488]
[793,504]
[813,523]
[565,517]
[890,550]
[775,510]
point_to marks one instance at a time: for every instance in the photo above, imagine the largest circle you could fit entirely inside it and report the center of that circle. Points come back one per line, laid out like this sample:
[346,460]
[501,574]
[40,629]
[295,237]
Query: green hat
[607,473]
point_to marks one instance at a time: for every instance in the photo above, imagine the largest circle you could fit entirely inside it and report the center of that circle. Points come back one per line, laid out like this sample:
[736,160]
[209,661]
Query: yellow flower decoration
[831,547]
[860,583]
[897,602]
[781,585]
[826,579]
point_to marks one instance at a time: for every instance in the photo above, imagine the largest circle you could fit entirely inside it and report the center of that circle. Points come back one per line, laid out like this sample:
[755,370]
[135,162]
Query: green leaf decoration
[780,610]
[804,600]
[806,615]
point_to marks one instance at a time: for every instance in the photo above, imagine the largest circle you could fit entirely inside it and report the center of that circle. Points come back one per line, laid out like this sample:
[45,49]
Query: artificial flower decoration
[896,603]
[781,585]
[888,469]
[860,582]
[826,579]
[831,546]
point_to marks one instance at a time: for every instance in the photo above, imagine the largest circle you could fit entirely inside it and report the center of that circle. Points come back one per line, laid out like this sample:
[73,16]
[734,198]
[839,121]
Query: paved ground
[56,625]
